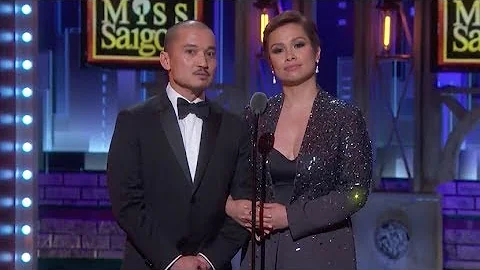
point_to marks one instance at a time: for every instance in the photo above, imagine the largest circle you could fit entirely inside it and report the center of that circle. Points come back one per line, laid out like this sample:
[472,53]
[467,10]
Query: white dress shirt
[191,129]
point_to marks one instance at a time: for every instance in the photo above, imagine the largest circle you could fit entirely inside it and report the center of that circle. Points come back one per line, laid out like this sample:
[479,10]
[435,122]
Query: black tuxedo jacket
[163,212]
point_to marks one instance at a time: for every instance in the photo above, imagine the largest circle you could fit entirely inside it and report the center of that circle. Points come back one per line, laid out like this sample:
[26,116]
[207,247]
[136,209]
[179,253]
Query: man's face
[191,60]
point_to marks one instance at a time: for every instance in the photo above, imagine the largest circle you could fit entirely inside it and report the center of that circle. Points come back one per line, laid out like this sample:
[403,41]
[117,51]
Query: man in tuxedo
[174,160]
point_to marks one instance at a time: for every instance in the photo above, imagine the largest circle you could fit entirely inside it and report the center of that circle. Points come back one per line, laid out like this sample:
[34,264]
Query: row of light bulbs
[27,147]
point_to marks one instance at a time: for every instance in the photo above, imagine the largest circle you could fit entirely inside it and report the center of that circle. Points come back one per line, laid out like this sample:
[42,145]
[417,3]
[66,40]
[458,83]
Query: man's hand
[240,211]
[188,263]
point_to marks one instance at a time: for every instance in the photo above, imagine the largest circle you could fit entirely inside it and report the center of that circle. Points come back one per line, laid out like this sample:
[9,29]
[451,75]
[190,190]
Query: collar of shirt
[174,95]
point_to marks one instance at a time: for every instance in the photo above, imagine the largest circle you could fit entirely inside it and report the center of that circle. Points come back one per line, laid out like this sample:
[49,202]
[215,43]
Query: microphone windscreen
[258,103]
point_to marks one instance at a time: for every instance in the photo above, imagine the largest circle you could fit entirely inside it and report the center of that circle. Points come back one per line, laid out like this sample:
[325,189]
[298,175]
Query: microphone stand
[258,103]
[254,190]
[265,145]
[261,213]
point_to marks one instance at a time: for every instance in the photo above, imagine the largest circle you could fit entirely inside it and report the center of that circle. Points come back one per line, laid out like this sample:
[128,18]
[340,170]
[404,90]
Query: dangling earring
[316,69]
[274,79]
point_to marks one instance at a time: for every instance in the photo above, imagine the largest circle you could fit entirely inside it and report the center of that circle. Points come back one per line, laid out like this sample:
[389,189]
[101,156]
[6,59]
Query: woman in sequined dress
[319,171]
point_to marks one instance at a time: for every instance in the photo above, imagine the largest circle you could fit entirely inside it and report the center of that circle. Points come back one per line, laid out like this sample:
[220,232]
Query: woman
[319,171]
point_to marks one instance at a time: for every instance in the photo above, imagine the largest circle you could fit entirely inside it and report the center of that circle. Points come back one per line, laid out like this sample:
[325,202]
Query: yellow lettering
[146,42]
[464,18]
[180,12]
[108,35]
[134,46]
[117,33]
[474,45]
[141,20]
[159,17]
[460,42]
[141,12]
[159,45]
[123,40]
[147,48]
[109,11]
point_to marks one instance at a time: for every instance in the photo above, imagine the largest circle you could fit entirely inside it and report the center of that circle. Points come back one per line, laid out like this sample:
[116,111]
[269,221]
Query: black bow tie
[200,109]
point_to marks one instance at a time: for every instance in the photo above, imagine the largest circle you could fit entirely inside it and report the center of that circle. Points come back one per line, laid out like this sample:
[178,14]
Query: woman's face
[291,54]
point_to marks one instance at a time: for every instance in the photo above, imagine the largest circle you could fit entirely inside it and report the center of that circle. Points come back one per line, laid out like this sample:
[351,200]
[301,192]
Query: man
[173,160]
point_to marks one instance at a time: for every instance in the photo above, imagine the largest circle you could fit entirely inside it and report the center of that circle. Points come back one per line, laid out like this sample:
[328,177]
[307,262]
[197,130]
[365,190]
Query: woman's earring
[316,69]
[274,79]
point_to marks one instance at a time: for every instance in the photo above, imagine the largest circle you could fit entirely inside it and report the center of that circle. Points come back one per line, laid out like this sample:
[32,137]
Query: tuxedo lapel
[207,145]
[172,132]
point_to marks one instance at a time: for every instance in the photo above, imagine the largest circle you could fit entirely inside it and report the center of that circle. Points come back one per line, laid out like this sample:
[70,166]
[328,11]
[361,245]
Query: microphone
[258,103]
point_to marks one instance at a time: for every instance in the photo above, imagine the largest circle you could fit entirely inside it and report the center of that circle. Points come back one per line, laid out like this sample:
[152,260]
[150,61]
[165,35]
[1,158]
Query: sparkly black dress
[282,171]
[331,181]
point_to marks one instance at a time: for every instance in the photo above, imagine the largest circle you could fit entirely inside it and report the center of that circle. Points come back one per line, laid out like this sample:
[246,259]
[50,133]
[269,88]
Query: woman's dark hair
[287,17]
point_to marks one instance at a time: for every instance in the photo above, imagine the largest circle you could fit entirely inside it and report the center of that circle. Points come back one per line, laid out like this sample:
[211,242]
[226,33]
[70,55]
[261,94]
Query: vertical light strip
[104,145]
[263,23]
[27,144]
[387,21]
[218,29]
[221,39]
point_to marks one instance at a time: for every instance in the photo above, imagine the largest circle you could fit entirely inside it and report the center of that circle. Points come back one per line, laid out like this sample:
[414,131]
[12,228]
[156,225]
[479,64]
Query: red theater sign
[458,36]
[131,33]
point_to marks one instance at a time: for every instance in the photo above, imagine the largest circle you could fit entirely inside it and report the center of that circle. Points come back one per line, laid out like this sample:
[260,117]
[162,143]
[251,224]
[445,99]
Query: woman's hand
[274,216]
[240,211]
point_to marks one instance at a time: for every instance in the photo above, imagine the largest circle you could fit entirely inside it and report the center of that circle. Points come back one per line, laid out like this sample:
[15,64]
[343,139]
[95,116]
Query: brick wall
[76,221]
[77,238]
[75,218]
[73,189]
[461,225]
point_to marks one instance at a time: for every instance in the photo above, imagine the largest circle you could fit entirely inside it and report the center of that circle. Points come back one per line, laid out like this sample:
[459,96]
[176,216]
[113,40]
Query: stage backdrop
[130,34]
[456,35]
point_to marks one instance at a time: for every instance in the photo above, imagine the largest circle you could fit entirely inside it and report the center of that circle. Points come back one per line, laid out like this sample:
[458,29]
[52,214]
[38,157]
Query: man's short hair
[172,31]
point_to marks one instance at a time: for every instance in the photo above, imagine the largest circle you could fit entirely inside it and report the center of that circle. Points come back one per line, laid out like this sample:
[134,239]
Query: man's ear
[165,60]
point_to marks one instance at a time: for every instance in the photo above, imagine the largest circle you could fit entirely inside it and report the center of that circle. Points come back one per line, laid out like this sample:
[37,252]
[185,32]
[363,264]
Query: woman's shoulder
[273,103]
[337,107]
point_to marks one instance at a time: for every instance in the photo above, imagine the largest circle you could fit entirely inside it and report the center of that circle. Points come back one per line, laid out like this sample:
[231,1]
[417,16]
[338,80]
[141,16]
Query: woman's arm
[306,217]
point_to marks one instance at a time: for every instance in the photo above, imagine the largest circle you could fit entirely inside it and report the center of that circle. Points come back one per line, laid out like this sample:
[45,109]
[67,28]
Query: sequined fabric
[332,181]
[335,154]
